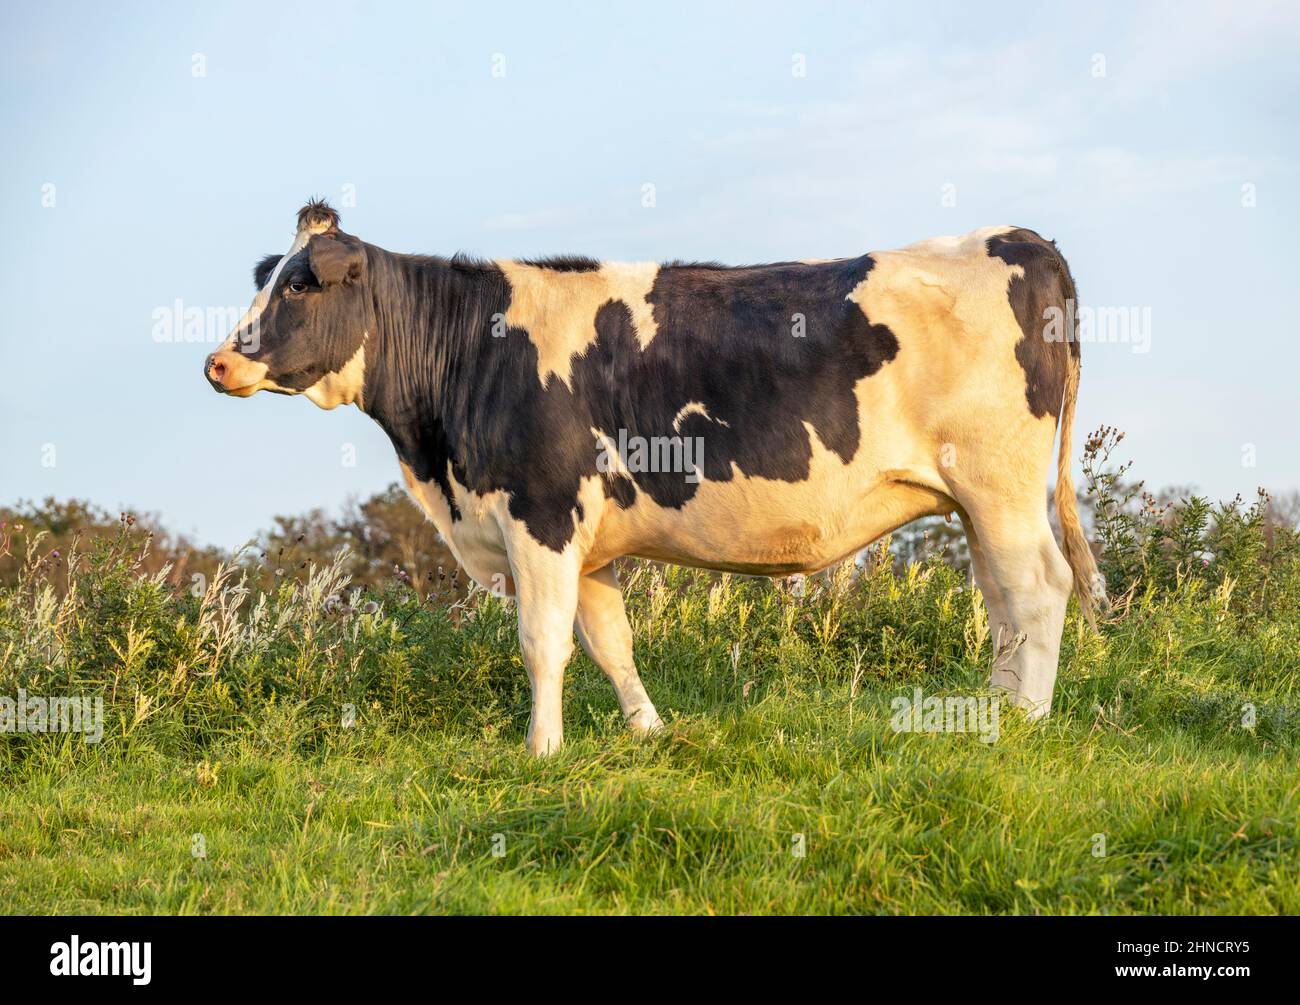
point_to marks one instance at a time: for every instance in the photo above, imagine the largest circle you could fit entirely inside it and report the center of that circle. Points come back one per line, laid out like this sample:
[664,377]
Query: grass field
[285,752]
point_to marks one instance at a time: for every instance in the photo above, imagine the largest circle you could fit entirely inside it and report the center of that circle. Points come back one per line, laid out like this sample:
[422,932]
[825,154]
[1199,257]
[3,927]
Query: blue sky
[1132,134]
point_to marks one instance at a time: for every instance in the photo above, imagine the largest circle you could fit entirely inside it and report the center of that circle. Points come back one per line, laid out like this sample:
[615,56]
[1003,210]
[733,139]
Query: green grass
[779,741]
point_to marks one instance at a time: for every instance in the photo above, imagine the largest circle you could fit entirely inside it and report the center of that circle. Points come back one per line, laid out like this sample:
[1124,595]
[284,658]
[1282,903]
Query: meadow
[298,747]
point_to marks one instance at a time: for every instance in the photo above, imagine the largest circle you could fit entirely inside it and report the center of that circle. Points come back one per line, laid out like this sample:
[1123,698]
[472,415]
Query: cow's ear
[335,261]
[263,269]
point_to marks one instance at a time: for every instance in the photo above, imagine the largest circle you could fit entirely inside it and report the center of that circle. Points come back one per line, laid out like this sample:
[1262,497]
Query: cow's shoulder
[556,301]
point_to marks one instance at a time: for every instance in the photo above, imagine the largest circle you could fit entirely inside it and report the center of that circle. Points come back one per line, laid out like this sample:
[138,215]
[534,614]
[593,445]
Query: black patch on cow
[678,263]
[764,350]
[263,269]
[1046,283]
[618,487]
[564,263]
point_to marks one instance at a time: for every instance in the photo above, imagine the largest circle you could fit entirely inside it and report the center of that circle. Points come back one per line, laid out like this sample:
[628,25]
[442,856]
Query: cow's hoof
[1033,709]
[543,746]
[645,721]
[1038,711]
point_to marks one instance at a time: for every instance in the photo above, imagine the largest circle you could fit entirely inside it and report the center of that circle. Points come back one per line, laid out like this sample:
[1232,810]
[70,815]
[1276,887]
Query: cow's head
[306,330]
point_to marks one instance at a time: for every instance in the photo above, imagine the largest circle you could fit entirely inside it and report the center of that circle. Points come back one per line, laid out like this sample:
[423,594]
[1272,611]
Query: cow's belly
[756,526]
[765,527]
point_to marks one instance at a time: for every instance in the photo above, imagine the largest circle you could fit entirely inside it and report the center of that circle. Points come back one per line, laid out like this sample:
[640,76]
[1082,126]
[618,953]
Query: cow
[553,415]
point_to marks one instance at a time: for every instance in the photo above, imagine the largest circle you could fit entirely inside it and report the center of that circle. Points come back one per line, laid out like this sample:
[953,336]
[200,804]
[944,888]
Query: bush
[1208,595]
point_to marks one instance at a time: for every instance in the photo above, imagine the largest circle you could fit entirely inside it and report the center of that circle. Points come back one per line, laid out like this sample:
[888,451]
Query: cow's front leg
[546,590]
[607,637]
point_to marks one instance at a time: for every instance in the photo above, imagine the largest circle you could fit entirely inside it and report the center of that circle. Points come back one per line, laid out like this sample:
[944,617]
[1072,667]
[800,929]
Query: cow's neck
[434,316]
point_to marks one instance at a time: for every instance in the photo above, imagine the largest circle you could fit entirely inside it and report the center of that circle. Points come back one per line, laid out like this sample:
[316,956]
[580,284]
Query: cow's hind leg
[606,635]
[1030,579]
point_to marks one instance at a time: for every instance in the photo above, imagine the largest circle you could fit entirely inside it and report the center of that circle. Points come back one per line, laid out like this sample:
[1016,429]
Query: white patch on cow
[558,309]
[475,539]
[964,245]
[344,386]
[695,408]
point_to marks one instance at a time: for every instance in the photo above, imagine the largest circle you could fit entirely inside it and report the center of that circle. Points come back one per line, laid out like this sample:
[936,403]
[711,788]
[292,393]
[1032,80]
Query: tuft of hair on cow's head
[306,329]
[318,217]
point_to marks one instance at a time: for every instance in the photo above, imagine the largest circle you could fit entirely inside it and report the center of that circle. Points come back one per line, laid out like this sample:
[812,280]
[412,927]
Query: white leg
[546,589]
[1033,581]
[607,637]
[989,589]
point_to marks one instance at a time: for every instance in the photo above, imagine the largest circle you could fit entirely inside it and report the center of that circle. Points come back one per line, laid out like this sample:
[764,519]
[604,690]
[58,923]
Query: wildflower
[370,608]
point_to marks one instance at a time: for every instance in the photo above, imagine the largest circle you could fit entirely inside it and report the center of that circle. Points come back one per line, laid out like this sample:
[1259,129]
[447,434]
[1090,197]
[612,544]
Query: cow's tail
[1089,586]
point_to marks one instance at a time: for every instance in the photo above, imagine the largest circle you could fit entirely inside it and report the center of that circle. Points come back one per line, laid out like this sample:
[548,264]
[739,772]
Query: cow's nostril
[216,369]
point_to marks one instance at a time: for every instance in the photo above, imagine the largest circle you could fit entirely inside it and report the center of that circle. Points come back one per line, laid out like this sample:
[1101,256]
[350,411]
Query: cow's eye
[297,287]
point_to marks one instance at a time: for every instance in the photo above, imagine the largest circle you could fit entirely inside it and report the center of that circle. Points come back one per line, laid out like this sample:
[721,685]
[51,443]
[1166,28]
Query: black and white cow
[551,416]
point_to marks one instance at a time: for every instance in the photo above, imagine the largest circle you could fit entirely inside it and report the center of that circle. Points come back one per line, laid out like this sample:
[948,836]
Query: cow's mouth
[233,374]
[240,392]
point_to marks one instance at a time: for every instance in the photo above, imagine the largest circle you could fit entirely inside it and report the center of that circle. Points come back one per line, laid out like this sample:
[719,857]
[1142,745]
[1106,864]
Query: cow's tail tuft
[1089,585]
